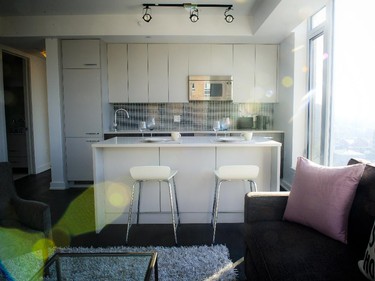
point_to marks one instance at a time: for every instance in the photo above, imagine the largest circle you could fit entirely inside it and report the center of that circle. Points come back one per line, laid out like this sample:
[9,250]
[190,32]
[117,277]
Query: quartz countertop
[124,132]
[204,141]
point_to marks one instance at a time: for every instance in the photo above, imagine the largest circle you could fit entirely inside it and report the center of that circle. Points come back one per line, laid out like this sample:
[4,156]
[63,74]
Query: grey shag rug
[195,263]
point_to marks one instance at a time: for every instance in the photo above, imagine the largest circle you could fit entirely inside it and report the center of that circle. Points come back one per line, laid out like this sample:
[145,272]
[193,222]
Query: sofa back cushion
[362,213]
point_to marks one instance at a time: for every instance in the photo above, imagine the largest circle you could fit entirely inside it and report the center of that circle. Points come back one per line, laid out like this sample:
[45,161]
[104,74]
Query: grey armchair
[22,222]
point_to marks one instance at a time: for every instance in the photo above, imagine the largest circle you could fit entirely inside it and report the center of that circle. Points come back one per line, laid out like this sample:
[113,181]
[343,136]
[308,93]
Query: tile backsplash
[194,116]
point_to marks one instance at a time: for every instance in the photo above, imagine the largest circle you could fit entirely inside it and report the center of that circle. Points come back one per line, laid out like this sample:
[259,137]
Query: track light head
[147,14]
[194,16]
[228,18]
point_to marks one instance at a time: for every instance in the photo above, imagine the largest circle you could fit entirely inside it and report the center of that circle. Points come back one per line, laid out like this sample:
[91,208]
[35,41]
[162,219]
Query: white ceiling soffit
[256,21]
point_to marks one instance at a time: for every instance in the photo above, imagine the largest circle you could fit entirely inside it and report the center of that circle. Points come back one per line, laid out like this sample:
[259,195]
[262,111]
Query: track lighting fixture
[228,18]
[147,14]
[194,14]
[194,17]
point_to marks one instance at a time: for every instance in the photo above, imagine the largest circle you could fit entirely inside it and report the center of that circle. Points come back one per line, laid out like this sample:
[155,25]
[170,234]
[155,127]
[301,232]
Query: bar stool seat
[142,174]
[231,173]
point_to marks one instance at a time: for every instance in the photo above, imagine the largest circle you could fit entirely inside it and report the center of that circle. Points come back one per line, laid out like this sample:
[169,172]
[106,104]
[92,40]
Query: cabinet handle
[92,140]
[90,64]
[92,134]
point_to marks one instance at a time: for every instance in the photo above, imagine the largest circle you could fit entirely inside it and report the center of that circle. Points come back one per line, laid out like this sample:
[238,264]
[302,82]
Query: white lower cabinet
[79,158]
[195,189]
[117,164]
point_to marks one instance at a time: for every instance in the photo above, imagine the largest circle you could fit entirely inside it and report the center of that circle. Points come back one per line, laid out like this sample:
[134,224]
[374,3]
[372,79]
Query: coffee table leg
[156,272]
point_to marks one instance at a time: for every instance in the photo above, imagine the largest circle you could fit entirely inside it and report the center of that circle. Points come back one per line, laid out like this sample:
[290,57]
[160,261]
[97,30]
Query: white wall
[290,112]
[39,113]
[284,109]
[55,114]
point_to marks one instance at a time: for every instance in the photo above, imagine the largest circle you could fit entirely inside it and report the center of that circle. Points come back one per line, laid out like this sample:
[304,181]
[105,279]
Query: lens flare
[43,245]
[118,195]
[287,81]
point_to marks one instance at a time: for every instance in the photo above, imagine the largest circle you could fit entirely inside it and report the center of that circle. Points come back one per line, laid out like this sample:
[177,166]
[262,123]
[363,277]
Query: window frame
[324,29]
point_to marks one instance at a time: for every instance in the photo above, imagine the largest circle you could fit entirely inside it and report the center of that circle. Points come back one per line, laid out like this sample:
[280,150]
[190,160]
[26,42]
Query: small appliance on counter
[262,122]
[245,123]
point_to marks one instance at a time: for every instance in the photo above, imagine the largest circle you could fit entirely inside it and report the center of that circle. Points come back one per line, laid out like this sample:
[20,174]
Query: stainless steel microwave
[210,88]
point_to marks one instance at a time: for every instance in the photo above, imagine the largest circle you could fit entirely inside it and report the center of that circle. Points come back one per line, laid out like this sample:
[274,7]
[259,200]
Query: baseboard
[58,185]
[42,168]
[285,185]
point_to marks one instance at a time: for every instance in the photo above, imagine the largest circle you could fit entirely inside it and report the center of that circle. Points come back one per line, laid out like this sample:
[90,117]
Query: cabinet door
[266,58]
[138,74]
[82,102]
[178,72]
[221,59]
[158,72]
[195,181]
[200,59]
[117,55]
[79,158]
[243,73]
[80,53]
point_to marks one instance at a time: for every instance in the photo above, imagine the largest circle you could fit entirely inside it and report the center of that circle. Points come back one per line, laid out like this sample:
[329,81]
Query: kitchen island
[195,158]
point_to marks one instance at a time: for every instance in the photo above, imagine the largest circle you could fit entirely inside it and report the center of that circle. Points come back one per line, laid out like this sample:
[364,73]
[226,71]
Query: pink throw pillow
[321,197]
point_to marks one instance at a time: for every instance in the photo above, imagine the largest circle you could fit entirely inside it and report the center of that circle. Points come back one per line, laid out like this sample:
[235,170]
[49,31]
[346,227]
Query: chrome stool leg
[130,213]
[216,207]
[172,211]
[175,197]
[214,203]
[139,200]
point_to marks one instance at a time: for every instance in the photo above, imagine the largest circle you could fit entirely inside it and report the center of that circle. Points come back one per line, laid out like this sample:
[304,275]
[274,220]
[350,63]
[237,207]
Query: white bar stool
[232,173]
[158,174]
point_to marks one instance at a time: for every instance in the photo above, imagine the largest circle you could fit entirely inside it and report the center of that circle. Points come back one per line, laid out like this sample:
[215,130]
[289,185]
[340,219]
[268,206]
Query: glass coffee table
[100,267]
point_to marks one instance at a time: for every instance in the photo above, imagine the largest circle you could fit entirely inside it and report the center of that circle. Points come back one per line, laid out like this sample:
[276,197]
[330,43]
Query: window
[316,120]
[318,89]
[353,98]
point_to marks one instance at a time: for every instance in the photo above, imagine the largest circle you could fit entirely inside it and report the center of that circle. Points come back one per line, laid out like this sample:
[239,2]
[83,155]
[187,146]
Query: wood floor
[72,213]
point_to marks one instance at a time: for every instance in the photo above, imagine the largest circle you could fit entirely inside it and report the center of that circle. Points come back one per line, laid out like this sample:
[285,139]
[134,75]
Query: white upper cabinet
[178,72]
[117,55]
[266,61]
[243,73]
[158,72]
[80,53]
[221,59]
[138,73]
[199,59]
[210,59]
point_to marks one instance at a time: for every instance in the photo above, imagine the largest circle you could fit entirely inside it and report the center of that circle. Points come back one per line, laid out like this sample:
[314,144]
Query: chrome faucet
[115,122]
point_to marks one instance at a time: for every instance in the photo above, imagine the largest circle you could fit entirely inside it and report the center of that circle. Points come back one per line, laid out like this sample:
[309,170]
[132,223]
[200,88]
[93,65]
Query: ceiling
[24,24]
[97,7]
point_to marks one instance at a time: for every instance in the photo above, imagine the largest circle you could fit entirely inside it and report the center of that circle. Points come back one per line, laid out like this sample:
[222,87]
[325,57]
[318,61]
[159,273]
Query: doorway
[15,81]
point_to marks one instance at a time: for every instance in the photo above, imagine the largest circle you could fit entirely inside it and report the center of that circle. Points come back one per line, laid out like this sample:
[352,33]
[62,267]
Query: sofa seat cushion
[283,250]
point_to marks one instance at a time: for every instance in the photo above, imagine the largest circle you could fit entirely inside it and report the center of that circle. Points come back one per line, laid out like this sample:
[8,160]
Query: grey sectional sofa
[280,250]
